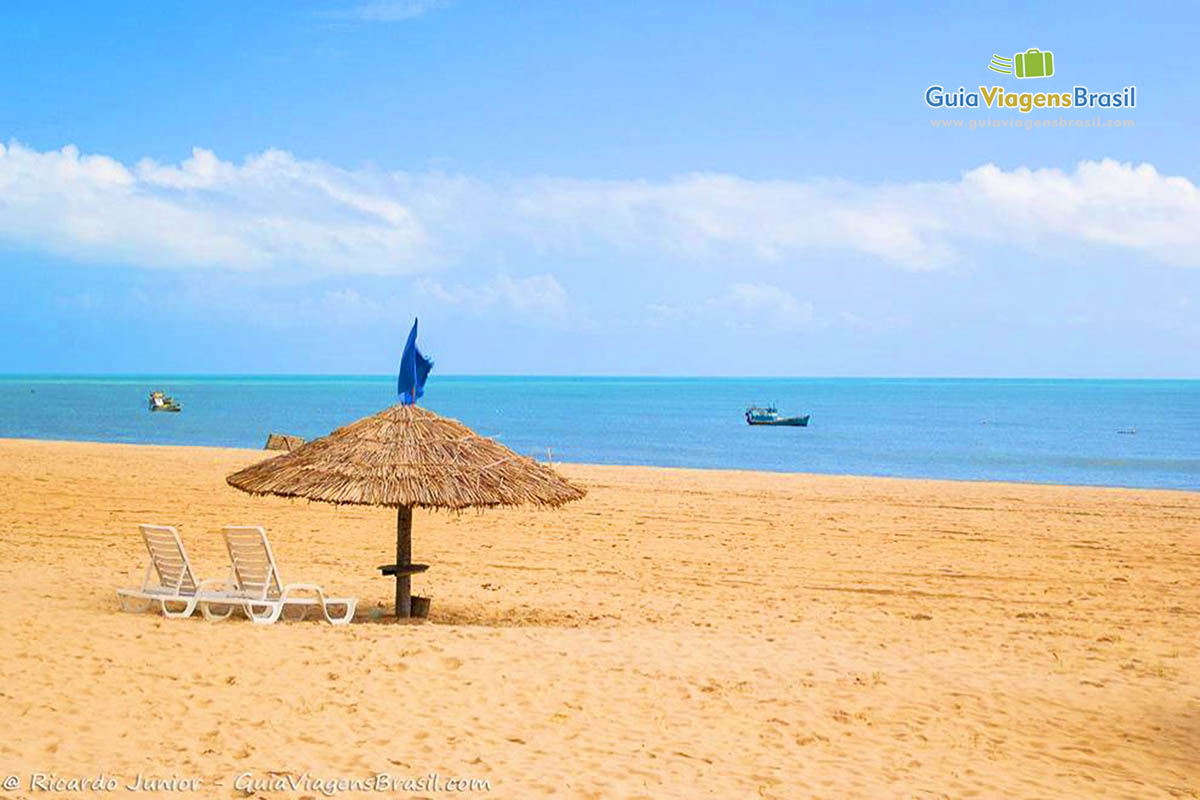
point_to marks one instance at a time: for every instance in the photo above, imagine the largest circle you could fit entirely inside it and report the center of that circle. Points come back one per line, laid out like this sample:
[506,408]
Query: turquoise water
[1021,430]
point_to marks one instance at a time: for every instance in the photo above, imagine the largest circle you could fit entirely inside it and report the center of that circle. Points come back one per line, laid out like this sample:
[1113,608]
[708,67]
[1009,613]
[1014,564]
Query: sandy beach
[678,633]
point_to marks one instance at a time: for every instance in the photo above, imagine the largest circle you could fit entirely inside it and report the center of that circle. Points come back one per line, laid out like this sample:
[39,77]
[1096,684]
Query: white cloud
[271,211]
[919,225]
[536,294]
[276,212]
[714,216]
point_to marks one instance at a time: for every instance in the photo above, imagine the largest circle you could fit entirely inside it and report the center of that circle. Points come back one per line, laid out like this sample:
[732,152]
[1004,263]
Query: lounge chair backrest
[254,569]
[168,558]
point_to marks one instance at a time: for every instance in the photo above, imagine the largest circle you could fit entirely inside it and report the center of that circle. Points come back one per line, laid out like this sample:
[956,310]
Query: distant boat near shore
[163,402]
[769,415]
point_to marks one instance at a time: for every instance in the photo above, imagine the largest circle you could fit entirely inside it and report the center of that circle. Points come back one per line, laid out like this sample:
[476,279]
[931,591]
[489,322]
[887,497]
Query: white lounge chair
[259,591]
[176,580]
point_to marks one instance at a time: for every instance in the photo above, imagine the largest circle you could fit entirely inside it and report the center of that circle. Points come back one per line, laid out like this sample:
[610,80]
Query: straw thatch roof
[407,456]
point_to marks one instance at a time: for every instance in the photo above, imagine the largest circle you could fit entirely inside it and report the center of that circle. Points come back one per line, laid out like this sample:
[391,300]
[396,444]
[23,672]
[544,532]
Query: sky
[618,188]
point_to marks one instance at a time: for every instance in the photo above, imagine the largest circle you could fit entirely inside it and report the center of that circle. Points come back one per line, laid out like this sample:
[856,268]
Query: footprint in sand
[450,662]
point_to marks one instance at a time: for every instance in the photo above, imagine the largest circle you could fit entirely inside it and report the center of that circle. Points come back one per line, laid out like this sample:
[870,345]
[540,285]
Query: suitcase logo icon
[1033,63]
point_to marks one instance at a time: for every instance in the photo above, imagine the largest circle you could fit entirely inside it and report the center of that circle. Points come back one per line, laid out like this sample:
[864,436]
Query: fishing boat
[162,402]
[769,415]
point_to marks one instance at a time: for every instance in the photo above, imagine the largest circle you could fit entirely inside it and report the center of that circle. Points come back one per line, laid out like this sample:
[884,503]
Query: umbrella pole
[403,560]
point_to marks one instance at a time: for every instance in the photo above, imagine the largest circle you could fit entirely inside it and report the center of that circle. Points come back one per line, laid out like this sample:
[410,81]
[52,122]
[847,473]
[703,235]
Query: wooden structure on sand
[283,441]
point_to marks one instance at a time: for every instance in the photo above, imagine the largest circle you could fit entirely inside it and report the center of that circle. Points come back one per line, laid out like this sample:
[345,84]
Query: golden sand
[677,633]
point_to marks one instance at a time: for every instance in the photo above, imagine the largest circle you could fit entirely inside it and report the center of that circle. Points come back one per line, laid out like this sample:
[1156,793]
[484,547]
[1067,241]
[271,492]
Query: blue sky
[593,187]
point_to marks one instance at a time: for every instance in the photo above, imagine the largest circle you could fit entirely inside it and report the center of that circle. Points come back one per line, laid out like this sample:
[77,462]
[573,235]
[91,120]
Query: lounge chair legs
[343,619]
[216,616]
[323,601]
[188,607]
[268,614]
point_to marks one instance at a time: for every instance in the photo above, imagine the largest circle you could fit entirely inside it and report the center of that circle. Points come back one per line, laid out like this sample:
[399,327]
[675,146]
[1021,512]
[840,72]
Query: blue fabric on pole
[414,369]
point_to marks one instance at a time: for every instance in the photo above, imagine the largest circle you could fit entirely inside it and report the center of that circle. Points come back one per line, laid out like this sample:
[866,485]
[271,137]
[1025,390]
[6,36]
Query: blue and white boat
[769,415]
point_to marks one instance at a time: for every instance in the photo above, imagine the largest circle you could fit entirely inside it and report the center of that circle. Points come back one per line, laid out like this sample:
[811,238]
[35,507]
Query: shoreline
[704,470]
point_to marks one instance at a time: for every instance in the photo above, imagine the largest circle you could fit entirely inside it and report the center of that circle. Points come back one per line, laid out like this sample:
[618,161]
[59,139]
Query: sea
[1135,433]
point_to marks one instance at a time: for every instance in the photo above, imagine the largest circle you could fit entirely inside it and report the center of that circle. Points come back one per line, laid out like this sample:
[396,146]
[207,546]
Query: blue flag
[414,369]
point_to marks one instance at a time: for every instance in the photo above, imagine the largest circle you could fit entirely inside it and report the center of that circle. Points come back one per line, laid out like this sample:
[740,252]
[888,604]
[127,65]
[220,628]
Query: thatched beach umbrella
[407,457]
